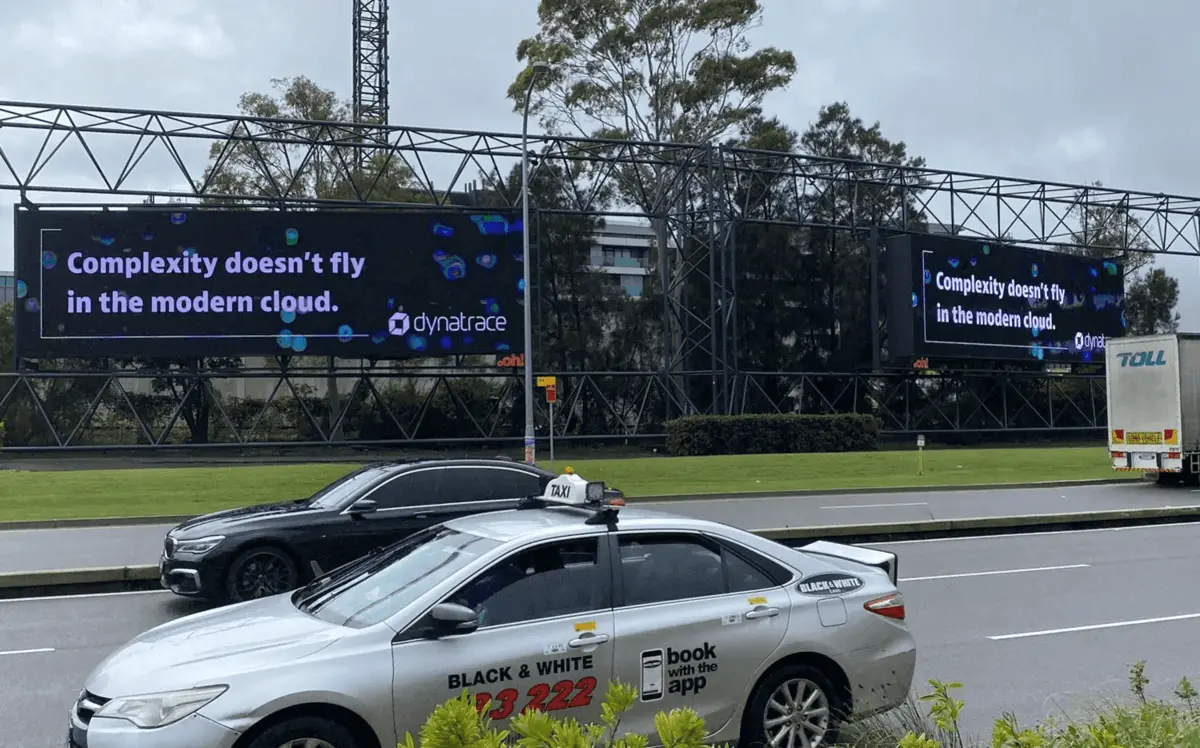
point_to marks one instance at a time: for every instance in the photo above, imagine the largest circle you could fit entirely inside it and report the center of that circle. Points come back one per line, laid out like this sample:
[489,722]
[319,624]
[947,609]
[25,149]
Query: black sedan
[268,549]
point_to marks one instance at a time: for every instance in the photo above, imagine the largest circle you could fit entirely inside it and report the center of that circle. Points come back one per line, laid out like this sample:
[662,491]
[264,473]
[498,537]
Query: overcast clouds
[1064,90]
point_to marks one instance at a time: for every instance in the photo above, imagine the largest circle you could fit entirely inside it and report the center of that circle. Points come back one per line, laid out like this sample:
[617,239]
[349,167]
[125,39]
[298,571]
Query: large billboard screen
[954,298]
[208,283]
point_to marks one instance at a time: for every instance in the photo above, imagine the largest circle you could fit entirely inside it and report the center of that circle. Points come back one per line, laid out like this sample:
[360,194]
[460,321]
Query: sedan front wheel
[261,572]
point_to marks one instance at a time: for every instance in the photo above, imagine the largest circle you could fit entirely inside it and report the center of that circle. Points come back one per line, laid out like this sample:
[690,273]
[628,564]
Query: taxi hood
[208,648]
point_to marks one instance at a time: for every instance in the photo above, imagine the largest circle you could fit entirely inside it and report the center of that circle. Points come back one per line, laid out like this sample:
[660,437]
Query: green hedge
[1,433]
[1141,722]
[771,434]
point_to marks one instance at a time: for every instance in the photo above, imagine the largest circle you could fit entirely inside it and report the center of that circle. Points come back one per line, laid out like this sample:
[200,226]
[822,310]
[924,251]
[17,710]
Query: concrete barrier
[142,577]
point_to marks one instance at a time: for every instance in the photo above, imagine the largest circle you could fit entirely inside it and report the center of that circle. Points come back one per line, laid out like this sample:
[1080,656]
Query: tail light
[888,606]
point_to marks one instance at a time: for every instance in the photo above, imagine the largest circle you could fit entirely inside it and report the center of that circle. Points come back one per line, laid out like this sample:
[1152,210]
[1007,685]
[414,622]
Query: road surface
[32,550]
[1033,624]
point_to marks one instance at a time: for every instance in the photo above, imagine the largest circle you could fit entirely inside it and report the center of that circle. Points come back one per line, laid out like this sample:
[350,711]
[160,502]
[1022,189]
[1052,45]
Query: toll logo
[398,324]
[1143,358]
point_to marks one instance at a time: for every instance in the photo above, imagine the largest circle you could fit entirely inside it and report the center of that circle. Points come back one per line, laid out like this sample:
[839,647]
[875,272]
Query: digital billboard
[954,298]
[206,283]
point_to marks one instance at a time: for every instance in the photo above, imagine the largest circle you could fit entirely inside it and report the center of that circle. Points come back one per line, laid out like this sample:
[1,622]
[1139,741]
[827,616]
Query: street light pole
[539,68]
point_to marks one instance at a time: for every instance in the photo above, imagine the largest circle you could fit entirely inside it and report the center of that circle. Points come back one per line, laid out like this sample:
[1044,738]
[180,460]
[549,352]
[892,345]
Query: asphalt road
[32,550]
[1077,609]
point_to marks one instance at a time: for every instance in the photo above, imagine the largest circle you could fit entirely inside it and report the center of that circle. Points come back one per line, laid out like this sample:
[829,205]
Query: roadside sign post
[920,454]
[551,398]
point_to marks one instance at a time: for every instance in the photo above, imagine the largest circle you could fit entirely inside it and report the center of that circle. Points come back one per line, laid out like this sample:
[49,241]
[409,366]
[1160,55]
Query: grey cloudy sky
[1064,90]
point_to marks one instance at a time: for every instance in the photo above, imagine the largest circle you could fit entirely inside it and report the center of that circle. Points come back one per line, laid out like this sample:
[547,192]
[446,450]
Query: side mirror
[451,618]
[363,506]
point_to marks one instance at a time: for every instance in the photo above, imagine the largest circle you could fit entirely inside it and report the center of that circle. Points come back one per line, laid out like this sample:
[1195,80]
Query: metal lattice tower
[370,101]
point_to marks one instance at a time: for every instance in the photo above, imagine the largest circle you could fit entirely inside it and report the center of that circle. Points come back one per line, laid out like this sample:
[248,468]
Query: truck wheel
[1169,479]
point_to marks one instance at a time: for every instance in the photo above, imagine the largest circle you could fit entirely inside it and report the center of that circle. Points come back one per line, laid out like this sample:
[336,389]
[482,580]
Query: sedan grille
[87,706]
[169,546]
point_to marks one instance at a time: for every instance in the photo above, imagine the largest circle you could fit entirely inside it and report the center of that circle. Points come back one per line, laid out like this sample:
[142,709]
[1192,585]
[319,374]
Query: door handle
[588,641]
[762,612]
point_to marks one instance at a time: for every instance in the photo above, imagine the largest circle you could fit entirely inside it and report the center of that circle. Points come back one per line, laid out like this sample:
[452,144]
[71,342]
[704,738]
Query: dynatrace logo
[401,323]
[1143,358]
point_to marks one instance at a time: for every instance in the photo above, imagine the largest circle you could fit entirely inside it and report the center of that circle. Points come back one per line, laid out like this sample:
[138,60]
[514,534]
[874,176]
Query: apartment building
[622,250]
[8,287]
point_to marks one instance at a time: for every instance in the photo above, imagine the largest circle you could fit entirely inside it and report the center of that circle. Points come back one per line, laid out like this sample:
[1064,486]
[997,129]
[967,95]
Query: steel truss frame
[697,191]
[370,98]
[595,407]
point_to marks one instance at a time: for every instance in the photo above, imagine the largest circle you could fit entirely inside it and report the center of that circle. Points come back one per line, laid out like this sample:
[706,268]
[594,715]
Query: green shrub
[771,434]
[1142,723]
[461,723]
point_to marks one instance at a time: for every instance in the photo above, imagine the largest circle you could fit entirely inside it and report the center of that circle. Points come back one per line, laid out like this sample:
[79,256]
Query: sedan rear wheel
[793,707]
[797,714]
[261,572]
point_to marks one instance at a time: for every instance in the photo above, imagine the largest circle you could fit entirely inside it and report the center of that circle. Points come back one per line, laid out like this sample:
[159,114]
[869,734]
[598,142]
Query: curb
[95,522]
[145,577]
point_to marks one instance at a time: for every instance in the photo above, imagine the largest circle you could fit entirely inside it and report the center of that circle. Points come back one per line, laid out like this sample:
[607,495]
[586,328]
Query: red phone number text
[566,694]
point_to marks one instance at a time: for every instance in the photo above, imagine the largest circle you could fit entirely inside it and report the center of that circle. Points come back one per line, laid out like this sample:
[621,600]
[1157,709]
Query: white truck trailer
[1153,384]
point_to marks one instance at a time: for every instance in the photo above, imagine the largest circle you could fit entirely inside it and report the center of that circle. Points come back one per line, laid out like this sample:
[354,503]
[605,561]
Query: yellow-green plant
[460,723]
[1147,722]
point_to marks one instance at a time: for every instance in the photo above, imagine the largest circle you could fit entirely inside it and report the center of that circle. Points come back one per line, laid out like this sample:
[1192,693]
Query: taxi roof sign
[572,490]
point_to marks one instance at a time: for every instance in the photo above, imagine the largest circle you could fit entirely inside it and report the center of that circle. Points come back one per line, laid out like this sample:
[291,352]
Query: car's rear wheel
[796,706]
[261,572]
[305,732]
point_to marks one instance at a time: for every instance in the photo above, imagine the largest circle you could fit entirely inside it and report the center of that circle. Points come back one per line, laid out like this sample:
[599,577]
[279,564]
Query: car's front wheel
[305,732]
[261,572]
[794,706]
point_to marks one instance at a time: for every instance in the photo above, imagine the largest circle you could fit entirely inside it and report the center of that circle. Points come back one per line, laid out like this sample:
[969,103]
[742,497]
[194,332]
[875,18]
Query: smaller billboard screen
[209,283]
[954,298]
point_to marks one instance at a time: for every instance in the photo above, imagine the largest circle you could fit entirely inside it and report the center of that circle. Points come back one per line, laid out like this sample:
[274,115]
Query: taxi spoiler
[888,562]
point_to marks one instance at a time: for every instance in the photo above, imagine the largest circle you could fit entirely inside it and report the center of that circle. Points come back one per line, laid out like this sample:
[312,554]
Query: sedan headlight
[199,546]
[160,709]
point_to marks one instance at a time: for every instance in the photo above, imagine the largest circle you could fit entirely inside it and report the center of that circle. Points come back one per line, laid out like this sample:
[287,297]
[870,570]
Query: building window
[628,257]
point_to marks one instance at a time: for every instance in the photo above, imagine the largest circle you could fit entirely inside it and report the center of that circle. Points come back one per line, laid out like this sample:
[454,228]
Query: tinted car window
[413,488]
[660,568]
[348,486]
[383,584]
[486,484]
[556,579]
[742,576]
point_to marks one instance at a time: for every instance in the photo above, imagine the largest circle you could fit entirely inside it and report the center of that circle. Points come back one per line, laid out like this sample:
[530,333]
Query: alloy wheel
[797,715]
[262,575]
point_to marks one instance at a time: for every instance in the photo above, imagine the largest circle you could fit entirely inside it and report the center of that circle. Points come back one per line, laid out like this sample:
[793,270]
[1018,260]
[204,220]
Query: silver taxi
[538,607]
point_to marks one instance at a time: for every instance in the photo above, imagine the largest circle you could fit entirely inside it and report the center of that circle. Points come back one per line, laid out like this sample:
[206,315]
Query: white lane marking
[1029,534]
[1095,627]
[877,506]
[36,598]
[995,573]
[27,651]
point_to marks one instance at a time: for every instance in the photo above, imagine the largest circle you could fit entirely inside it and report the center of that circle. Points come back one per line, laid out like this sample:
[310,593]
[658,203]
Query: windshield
[385,583]
[335,493]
